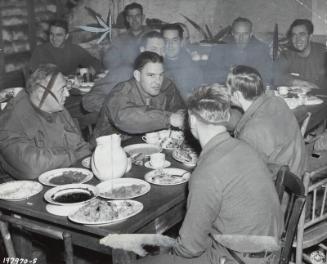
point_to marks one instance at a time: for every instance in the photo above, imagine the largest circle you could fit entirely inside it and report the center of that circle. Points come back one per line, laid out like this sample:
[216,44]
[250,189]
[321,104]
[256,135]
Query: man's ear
[137,75]
[143,17]
[67,36]
[182,42]
[310,37]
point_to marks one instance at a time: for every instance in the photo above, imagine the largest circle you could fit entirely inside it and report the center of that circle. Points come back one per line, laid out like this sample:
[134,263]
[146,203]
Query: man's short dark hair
[133,6]
[301,22]
[146,57]
[247,80]
[241,20]
[210,104]
[174,26]
[149,35]
[59,23]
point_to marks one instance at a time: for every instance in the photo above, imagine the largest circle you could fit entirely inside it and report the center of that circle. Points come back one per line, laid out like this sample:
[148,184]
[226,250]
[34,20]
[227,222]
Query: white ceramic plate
[19,190]
[99,212]
[124,188]
[78,193]
[185,156]
[9,92]
[73,176]
[313,100]
[86,162]
[171,139]
[166,176]
[62,210]
[145,149]
[148,164]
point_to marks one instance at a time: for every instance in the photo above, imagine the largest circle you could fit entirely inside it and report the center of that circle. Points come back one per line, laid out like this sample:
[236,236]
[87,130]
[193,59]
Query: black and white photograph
[163,131]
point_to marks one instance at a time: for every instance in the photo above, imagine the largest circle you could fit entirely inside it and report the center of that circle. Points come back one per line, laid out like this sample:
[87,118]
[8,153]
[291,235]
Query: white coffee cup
[151,138]
[282,90]
[157,160]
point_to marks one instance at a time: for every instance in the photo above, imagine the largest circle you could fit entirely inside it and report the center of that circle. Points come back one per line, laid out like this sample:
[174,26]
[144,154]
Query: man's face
[150,78]
[134,18]
[156,45]
[300,38]
[242,34]
[58,35]
[59,90]
[173,43]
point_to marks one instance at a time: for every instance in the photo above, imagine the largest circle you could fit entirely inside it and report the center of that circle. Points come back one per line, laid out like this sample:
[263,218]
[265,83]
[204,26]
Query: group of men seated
[155,85]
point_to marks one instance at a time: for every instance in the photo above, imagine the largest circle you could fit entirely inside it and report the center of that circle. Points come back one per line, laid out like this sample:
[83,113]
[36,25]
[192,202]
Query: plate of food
[99,212]
[299,89]
[123,188]
[171,139]
[186,156]
[64,176]
[139,153]
[19,190]
[312,100]
[70,194]
[167,176]
[9,93]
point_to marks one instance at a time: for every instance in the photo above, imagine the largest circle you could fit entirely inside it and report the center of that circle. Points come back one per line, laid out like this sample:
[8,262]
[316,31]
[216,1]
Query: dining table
[164,207]
[318,111]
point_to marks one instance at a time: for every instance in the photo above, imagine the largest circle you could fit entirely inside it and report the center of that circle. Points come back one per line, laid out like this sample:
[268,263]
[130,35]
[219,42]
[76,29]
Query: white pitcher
[109,160]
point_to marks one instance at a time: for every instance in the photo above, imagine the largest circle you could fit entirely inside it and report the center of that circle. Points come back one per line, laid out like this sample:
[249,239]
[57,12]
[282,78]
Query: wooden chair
[305,123]
[312,228]
[6,220]
[289,183]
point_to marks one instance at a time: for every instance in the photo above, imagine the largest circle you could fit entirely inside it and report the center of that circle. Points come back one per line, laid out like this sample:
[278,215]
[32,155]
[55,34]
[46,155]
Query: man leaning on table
[37,133]
[144,103]
[230,193]
[93,101]
[61,52]
[304,62]
[268,125]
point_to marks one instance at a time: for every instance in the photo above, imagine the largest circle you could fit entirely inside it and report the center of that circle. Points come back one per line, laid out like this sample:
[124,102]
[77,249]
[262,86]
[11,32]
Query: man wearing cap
[37,134]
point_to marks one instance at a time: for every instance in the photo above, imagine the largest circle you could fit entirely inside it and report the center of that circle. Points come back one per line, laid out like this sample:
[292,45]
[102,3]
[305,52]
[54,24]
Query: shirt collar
[50,117]
[257,103]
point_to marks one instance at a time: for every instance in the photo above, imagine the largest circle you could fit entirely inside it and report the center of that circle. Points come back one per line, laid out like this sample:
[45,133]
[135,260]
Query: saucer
[148,165]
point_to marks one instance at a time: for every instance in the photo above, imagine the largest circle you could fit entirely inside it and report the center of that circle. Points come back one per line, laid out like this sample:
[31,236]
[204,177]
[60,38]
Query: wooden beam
[31,24]
[2,55]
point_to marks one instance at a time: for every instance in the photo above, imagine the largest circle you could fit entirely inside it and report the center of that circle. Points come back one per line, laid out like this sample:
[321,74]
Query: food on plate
[124,191]
[171,143]
[73,195]
[16,190]
[163,177]
[103,211]
[185,155]
[68,177]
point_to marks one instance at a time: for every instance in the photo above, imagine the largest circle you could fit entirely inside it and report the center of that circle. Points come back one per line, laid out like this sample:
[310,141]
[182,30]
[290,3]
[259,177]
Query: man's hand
[177,119]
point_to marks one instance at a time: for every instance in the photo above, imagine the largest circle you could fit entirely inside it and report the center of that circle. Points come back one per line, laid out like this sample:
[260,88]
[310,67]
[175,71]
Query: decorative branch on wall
[208,37]
[104,29]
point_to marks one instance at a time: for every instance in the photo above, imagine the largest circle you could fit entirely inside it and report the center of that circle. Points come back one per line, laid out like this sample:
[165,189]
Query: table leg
[23,243]
[120,256]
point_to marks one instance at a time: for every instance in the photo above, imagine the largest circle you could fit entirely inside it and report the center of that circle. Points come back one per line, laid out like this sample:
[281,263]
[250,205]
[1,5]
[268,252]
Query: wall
[215,13]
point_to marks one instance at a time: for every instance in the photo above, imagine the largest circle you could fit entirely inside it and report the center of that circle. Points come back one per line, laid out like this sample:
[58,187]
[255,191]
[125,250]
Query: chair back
[289,183]
[305,123]
[312,225]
